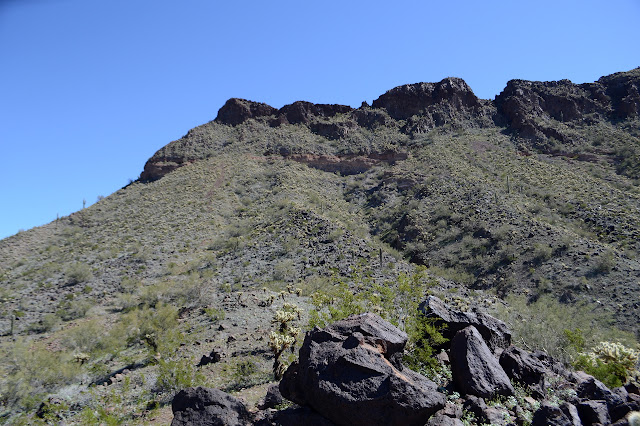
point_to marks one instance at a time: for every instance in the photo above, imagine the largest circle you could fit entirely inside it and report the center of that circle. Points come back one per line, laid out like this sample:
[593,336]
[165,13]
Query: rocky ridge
[541,113]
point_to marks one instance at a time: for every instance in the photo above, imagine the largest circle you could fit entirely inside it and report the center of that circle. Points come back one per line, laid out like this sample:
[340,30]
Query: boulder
[215,356]
[594,412]
[571,412]
[551,415]
[474,368]
[208,407]
[523,368]
[440,419]
[594,389]
[495,333]
[272,399]
[621,411]
[293,416]
[350,372]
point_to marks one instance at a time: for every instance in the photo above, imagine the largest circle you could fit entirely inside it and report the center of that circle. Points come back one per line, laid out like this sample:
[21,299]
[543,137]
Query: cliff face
[530,107]
[539,114]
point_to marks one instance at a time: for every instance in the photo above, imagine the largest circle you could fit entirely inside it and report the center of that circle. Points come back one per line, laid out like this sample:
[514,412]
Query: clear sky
[89,90]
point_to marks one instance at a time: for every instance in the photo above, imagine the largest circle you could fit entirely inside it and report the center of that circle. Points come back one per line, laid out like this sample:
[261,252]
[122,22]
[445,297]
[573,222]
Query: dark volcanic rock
[296,416]
[528,105]
[594,412]
[236,111]
[494,332]
[215,356]
[272,399]
[208,407]
[350,372]
[524,368]
[302,112]
[550,415]
[594,389]
[440,100]
[475,370]
[623,88]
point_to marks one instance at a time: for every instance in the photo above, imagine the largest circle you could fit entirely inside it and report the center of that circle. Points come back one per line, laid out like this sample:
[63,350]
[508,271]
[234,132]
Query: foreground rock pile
[351,373]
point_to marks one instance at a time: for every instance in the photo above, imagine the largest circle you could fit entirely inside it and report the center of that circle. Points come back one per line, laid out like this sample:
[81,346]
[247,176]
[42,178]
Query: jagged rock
[272,399]
[350,372]
[620,411]
[594,412]
[302,112]
[213,357]
[236,111]
[528,105]
[440,419]
[621,392]
[298,416]
[482,412]
[208,407]
[632,388]
[551,415]
[594,389]
[450,95]
[524,368]
[475,405]
[552,365]
[571,412]
[494,332]
[474,368]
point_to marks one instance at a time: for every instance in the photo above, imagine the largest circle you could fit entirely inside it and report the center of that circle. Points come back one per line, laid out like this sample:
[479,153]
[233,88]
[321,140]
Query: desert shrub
[396,301]
[423,335]
[604,264]
[610,362]
[71,309]
[214,314]
[177,373]
[47,323]
[84,337]
[560,330]
[31,371]
[542,253]
[78,273]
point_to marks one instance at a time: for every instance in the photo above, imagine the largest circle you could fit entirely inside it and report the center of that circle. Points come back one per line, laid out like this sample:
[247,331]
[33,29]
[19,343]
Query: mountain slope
[533,193]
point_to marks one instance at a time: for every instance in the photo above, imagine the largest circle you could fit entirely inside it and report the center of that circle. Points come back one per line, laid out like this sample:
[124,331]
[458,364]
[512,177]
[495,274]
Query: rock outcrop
[541,112]
[208,407]
[532,107]
[351,373]
[494,332]
[439,100]
[236,111]
[475,369]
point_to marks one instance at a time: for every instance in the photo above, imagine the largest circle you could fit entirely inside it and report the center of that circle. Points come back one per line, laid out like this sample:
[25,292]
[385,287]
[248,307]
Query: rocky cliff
[541,115]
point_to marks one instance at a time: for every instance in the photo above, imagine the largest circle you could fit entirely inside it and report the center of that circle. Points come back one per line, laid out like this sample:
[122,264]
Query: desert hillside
[526,207]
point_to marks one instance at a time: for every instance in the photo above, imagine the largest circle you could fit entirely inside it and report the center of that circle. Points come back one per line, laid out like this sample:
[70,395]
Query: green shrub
[176,374]
[73,309]
[611,363]
[604,264]
[423,335]
[561,330]
[78,273]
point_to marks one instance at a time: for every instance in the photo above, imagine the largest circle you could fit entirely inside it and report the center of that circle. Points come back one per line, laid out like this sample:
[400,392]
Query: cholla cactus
[634,418]
[284,337]
[613,352]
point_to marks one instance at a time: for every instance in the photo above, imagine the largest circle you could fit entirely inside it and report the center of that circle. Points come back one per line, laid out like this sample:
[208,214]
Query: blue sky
[89,90]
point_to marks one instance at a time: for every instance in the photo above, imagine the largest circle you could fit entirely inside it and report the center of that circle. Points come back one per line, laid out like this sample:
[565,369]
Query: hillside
[535,193]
